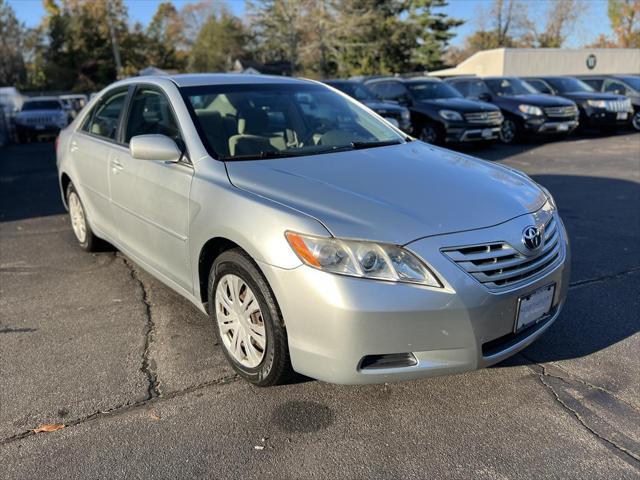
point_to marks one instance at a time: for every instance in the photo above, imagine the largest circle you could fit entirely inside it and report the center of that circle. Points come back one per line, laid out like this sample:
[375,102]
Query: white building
[547,61]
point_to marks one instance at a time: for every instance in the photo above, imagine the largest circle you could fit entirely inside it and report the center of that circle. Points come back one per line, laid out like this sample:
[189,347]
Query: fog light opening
[391,360]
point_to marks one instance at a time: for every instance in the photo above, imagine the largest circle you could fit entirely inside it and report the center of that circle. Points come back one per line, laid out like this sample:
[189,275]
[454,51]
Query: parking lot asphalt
[132,370]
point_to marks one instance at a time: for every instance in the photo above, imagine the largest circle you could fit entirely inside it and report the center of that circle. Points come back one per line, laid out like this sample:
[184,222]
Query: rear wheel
[509,131]
[248,322]
[81,229]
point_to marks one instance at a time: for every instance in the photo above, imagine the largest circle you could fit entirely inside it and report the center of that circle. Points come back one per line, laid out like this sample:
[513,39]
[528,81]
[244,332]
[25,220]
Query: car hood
[392,194]
[39,113]
[539,100]
[464,105]
[583,96]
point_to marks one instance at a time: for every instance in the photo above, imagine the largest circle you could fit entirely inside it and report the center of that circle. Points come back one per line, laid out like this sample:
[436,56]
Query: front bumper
[460,132]
[599,117]
[557,125]
[37,129]
[335,324]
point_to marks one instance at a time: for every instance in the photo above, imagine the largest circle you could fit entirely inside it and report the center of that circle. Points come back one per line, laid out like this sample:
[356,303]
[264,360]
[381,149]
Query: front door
[149,198]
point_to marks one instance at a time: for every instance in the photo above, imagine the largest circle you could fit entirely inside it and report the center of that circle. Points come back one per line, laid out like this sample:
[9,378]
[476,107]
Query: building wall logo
[591,61]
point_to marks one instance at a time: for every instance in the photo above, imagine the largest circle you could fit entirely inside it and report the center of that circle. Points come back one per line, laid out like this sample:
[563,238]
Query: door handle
[116,166]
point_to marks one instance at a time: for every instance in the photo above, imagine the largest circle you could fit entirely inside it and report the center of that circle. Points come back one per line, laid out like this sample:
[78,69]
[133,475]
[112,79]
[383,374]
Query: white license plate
[534,306]
[392,121]
[621,116]
[563,127]
[39,127]
[487,133]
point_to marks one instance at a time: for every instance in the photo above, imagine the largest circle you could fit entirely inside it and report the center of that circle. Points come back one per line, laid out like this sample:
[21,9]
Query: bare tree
[561,18]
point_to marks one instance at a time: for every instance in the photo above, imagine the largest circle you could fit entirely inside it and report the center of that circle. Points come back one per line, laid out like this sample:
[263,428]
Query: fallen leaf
[49,427]
[154,415]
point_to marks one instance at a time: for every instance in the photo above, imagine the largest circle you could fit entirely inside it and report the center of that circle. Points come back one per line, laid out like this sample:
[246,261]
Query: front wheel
[248,323]
[509,131]
[635,121]
[430,133]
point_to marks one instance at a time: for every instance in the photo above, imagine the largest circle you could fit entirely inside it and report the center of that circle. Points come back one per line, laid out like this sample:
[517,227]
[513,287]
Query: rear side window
[151,113]
[104,119]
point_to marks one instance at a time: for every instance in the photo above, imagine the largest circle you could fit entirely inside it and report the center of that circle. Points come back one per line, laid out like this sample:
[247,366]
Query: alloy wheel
[508,131]
[78,221]
[636,120]
[429,134]
[240,321]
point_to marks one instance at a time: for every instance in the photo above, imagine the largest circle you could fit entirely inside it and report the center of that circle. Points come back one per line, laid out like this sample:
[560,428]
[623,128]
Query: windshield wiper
[262,155]
[383,143]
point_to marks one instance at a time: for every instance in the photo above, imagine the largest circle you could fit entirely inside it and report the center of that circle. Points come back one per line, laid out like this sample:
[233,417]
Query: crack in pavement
[603,278]
[153,389]
[582,401]
[129,406]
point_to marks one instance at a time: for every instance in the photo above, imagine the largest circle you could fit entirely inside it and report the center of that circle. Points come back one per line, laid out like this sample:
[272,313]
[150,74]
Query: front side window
[633,82]
[509,86]
[613,86]
[540,86]
[105,116]
[150,113]
[431,90]
[273,120]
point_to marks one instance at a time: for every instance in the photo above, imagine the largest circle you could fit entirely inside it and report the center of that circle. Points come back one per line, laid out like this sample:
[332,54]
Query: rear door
[149,198]
[91,148]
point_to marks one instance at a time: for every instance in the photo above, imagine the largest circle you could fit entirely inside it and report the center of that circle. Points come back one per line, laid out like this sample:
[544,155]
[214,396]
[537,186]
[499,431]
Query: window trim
[186,158]
[91,113]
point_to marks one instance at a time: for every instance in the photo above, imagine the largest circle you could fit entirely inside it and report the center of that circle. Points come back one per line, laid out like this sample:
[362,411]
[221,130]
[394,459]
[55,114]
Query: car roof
[201,79]
[403,80]
[46,99]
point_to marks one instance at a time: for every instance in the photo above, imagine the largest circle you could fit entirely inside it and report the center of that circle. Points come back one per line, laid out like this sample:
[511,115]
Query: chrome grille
[40,120]
[558,112]
[498,265]
[483,117]
[618,105]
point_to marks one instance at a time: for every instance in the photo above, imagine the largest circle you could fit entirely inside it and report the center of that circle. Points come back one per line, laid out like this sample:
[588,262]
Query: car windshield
[355,90]
[41,105]
[633,82]
[258,121]
[509,86]
[431,90]
[568,85]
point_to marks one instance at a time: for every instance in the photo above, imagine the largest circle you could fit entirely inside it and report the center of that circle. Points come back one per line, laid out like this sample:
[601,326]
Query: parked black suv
[524,109]
[628,85]
[396,114]
[597,109]
[438,112]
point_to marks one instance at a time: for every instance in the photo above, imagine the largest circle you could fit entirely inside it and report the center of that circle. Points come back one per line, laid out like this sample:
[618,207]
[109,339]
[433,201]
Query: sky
[594,23]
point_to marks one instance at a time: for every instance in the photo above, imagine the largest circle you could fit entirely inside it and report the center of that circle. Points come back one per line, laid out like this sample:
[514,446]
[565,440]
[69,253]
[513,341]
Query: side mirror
[618,91]
[485,97]
[154,147]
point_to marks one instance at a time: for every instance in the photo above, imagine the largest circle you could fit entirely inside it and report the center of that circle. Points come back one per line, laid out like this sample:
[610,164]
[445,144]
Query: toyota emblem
[531,237]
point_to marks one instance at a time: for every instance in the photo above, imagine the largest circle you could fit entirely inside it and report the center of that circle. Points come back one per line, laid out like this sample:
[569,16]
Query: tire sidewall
[236,264]
[515,130]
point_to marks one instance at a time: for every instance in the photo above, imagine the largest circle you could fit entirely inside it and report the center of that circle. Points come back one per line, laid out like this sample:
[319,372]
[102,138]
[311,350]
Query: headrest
[252,122]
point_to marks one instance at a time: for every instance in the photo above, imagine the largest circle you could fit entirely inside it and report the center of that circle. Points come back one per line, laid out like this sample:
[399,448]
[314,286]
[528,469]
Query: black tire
[431,133]
[635,120]
[90,243]
[510,131]
[275,367]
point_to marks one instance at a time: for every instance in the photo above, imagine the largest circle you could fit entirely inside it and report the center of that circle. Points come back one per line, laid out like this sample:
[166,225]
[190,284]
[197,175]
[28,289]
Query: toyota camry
[319,238]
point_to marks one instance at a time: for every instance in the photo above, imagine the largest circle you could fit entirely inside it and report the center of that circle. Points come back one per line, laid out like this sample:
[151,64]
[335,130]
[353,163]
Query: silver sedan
[319,238]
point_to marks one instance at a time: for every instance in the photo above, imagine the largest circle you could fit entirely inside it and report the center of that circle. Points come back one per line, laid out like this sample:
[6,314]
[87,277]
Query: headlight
[530,109]
[450,115]
[550,198]
[361,259]
[405,114]
[597,103]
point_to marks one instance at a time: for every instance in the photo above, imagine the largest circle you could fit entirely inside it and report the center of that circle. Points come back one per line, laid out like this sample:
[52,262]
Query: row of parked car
[45,116]
[463,109]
